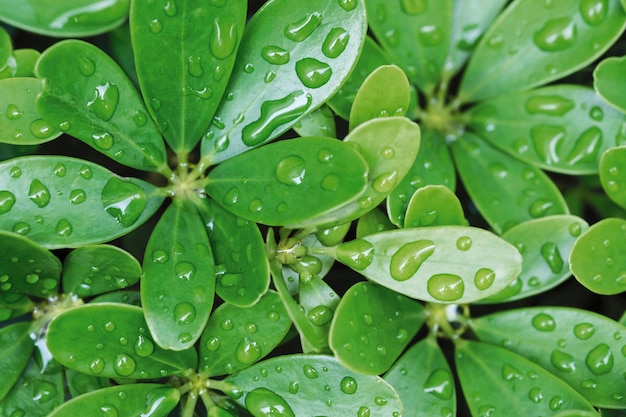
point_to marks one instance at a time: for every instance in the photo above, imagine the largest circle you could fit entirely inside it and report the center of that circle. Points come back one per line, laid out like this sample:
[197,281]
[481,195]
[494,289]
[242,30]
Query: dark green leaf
[79,383]
[21,64]
[608,81]
[373,222]
[123,297]
[612,174]
[14,305]
[122,51]
[319,302]
[6,48]
[17,347]
[320,122]
[434,205]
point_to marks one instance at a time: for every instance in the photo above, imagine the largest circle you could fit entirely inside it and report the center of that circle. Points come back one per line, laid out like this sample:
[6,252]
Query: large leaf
[56,201]
[197,42]
[416,262]
[178,285]
[612,174]
[608,81]
[291,60]
[553,39]
[17,348]
[88,96]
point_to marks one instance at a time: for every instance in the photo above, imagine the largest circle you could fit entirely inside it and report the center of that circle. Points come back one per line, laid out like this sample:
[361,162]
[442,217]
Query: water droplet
[336,42]
[7,200]
[21,228]
[104,102]
[13,112]
[430,35]
[584,331]
[594,11]
[550,253]
[540,208]
[357,254]
[185,270]
[291,170]
[78,196]
[144,346]
[414,7]
[255,205]
[273,316]
[385,182]
[464,243]
[159,256]
[96,366]
[15,172]
[224,38]
[544,322]
[32,278]
[109,326]
[248,351]
[331,182]
[294,386]
[275,55]
[184,313]
[563,361]
[41,129]
[349,385]
[575,229]
[302,29]
[510,373]
[586,147]
[123,200]
[550,105]
[409,258]
[65,126]
[39,193]
[600,359]
[484,278]
[313,73]
[103,140]
[170,9]
[556,35]
[439,384]
[348,5]
[213,344]
[556,403]
[320,315]
[363,412]
[547,140]
[155,26]
[262,402]
[227,325]
[124,365]
[446,287]
[86,66]
[43,391]
[309,371]
[535,395]
[108,410]
[251,328]
[63,228]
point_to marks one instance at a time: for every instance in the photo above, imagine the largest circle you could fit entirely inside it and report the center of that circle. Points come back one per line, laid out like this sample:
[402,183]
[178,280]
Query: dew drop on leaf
[43,391]
[551,255]
[143,346]
[273,316]
[349,385]
[227,325]
[320,315]
[594,11]
[309,371]
[155,26]
[124,365]
[275,55]
[446,287]
[547,140]
[363,411]
[77,196]
[185,270]
[213,344]
[563,361]
[584,331]
[108,410]
[556,35]
[300,30]
[85,172]
[385,182]
[184,313]
[409,258]
[439,384]
[535,395]
[600,359]
[348,5]
[96,366]
[550,105]
[103,140]
[224,38]
[291,170]
[294,386]
[540,208]
[15,172]
[312,72]
[170,9]
[336,42]
[247,351]
[414,7]
[13,112]
[123,200]
[543,322]
[104,101]
[86,66]
[586,147]
[331,182]
[464,243]
[39,193]
[484,278]
[7,200]
[262,402]
[63,228]
[357,254]
[430,35]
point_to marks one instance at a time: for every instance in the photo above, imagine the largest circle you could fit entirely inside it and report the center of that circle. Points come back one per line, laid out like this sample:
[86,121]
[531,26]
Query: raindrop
[336,42]
[269,77]
[39,193]
[556,403]
[320,315]
[7,200]
[348,5]
[124,365]
[203,93]
[549,105]
[227,325]
[294,386]
[309,371]
[144,346]
[43,391]
[544,322]
[430,35]
[262,402]
[446,287]
[213,344]
[275,55]
[535,395]
[349,385]
[21,228]
[363,412]
[251,328]
[600,359]
[313,73]
[540,208]
[194,66]
[584,331]
[123,200]
[510,373]
[224,38]
[575,229]
[103,140]
[547,140]
[273,316]
[596,113]
[439,384]
[41,129]
[32,278]
[385,182]
[586,147]
[159,256]
[550,253]
[231,197]
[15,172]
[291,170]
[86,66]
[594,11]
[65,126]
[59,170]
[255,206]
[357,254]
[484,278]
[409,258]
[109,326]
[185,270]
[184,313]
[140,118]
[563,361]
[155,26]
[13,112]
[248,351]
[556,35]
[104,102]
[302,29]
[464,243]
[170,9]
[414,7]
[96,366]
[185,337]
[331,182]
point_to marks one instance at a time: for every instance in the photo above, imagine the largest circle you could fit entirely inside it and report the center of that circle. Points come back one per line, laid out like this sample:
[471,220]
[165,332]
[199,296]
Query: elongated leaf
[434,205]
[582,348]
[96,269]
[56,201]
[149,400]
[17,348]
[282,73]
[371,327]
[6,48]
[497,380]
[237,337]
[21,64]
[22,123]
[505,190]
[27,268]
[332,390]
[545,245]
[178,285]
[88,96]
[416,262]
[608,81]
[423,380]
[612,174]
[112,340]
[197,42]
[320,122]
[14,305]
[274,184]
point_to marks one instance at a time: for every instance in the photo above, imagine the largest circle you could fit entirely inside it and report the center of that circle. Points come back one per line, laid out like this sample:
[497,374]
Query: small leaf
[416,262]
[14,305]
[17,348]
[237,337]
[371,327]
[178,285]
[596,259]
[608,81]
[280,383]
[582,348]
[320,122]
[56,201]
[612,174]
[434,205]
[373,222]
[149,400]
[79,383]
[112,340]
[319,302]
[21,64]
[129,297]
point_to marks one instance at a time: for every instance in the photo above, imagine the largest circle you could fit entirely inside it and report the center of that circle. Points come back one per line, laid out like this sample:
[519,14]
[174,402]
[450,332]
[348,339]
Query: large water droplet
[556,35]
[547,140]
[312,72]
[336,42]
[184,313]
[550,253]
[439,384]
[409,258]
[543,322]
[414,7]
[63,228]
[309,371]
[550,105]
[103,140]
[349,385]
[484,278]
[143,346]
[348,5]
[123,200]
[320,315]
[600,359]
[291,170]
[300,30]
[39,193]
[587,147]
[124,365]
[194,66]
[13,112]
[275,55]
[248,351]
[41,129]
[446,287]
[104,102]
[262,402]
[7,200]
[357,254]
[594,11]
[185,270]
[385,182]
[78,196]
[96,366]
[563,361]
[224,38]
[584,331]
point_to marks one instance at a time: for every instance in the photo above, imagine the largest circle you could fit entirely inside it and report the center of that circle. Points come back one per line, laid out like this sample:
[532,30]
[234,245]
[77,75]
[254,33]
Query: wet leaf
[320,122]
[178,285]
[237,337]
[608,81]
[129,297]
[89,97]
[281,383]
[330,236]
[580,347]
[416,262]
[17,348]
[282,73]
[434,205]
[319,302]
[112,340]
[612,174]
[373,222]
[56,200]
[272,184]
[554,39]
[197,42]
[596,259]
[14,305]
[371,327]
[505,190]
[21,64]
[79,383]
[6,48]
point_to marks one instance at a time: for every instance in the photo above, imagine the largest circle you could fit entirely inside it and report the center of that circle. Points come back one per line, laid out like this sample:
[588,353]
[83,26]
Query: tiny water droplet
[255,205]
[63,228]
[349,385]
[123,200]
[273,316]
[170,9]
[155,26]
[547,140]
[227,324]
[348,5]
[294,386]
[446,287]
[213,344]
[309,371]
[563,361]
[363,411]
[385,182]
[430,35]
[586,147]
[41,129]
[78,196]
[556,403]
[185,270]
[540,208]
[86,66]
[406,261]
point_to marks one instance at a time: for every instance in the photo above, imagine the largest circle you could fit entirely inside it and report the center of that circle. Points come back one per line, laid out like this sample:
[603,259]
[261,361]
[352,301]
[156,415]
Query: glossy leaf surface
[89,97]
[56,200]
[371,327]
[434,205]
[612,174]
[608,81]
[416,262]
[197,42]
[178,285]
[17,348]
[14,305]
[6,48]
[494,179]
[314,263]
[320,122]
[237,337]
[554,39]
[279,178]
[69,18]
[582,348]
[21,64]
[319,302]
[496,379]
[149,400]
[129,297]
[596,259]
[373,222]
[79,383]
[27,268]
[112,340]
[545,245]
[294,385]
[282,73]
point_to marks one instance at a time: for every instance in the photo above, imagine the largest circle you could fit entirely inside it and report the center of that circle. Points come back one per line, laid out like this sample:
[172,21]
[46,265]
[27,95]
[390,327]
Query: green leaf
[129,297]
[21,123]
[497,380]
[56,200]
[597,259]
[17,348]
[320,122]
[71,18]
[608,81]
[434,205]
[330,389]
[112,340]
[236,337]
[241,268]
[423,380]
[197,42]
[612,175]
[580,347]
[315,262]
[373,222]
[416,34]
[282,73]
[319,302]
[545,245]
[14,305]
[371,327]
[27,268]
[505,190]
[385,92]
[122,51]
[149,400]
[330,236]
[21,64]
[178,285]
[416,262]
[272,185]
[6,48]
[88,96]
[79,383]
[553,39]
[561,128]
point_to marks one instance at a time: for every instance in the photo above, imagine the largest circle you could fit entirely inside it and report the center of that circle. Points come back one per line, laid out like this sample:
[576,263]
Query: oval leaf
[434,205]
[608,81]
[613,175]
[17,348]
[320,122]
[373,222]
